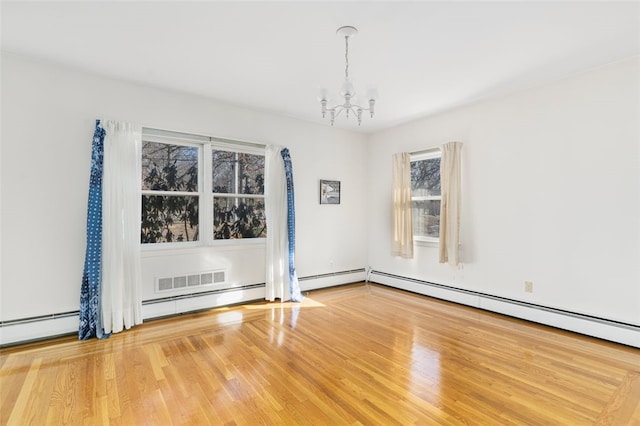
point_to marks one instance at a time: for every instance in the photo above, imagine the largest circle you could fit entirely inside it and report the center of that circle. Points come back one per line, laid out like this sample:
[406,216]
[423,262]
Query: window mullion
[169,193]
[206,200]
[427,198]
[233,195]
[236,177]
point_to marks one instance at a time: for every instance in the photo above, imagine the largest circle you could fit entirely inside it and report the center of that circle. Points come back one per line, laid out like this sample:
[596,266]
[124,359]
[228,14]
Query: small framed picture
[329,191]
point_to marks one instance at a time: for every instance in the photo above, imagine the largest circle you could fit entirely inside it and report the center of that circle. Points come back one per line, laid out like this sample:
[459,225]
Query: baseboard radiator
[619,332]
[313,282]
[25,330]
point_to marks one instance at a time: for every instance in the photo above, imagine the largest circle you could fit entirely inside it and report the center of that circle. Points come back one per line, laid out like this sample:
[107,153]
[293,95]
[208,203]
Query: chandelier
[347,90]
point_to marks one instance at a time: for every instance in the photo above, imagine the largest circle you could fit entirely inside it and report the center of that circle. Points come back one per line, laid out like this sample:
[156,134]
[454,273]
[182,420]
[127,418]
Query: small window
[426,196]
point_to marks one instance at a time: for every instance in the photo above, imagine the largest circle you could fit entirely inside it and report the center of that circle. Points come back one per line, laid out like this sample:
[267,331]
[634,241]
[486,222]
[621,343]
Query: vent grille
[191,281]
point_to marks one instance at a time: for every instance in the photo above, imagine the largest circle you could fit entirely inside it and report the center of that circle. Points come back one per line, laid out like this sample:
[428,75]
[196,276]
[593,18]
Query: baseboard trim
[38,328]
[615,331]
[43,327]
[33,329]
[314,282]
[183,304]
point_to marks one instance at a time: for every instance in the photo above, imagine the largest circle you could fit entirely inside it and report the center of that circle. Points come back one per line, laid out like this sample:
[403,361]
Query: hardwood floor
[357,354]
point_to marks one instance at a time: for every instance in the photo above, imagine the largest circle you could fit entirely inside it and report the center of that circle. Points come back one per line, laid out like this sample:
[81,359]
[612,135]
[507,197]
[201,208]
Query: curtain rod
[172,134]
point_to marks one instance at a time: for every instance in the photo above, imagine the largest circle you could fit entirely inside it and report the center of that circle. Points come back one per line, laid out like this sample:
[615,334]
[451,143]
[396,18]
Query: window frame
[421,156]
[225,146]
[206,145]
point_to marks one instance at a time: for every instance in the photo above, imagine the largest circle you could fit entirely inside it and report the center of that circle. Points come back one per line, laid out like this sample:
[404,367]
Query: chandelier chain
[346,57]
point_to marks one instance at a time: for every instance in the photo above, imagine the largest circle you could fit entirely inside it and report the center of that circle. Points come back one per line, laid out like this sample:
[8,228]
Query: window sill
[427,243]
[162,249]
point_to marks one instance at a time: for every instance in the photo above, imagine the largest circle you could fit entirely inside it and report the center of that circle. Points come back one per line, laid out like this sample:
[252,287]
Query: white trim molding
[314,282]
[44,327]
[626,334]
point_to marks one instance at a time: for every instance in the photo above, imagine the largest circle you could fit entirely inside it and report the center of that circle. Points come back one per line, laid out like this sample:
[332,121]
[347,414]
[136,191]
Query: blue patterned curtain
[294,285]
[90,318]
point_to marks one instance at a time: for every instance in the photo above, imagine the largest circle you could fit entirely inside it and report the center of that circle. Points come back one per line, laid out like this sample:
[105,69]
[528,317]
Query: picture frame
[329,191]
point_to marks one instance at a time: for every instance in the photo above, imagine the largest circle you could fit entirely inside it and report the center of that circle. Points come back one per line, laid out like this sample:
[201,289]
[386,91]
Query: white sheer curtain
[402,227]
[121,277]
[451,183]
[277,278]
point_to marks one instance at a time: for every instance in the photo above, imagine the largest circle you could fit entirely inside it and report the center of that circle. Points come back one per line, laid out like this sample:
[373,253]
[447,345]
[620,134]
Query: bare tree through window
[426,196]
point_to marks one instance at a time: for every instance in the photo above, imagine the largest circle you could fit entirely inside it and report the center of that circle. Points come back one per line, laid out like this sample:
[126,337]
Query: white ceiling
[422,57]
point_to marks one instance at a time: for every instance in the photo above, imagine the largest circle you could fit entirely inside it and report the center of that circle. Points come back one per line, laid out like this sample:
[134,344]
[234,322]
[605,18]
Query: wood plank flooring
[361,354]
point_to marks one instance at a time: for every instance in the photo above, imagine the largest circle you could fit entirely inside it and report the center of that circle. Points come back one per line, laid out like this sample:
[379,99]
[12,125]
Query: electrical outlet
[528,286]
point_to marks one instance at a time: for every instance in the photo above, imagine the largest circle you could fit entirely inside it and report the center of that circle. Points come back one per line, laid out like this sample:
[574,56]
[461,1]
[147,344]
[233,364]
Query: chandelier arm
[360,107]
[356,106]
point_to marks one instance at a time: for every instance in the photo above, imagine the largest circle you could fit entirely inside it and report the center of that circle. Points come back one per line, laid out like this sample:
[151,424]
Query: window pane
[425,177]
[238,218]
[167,219]
[168,167]
[224,172]
[238,173]
[251,177]
[426,218]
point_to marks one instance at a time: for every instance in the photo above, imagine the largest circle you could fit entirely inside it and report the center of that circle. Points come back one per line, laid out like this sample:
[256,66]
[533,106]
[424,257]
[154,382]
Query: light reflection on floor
[281,313]
[278,311]
[230,317]
[306,303]
[425,369]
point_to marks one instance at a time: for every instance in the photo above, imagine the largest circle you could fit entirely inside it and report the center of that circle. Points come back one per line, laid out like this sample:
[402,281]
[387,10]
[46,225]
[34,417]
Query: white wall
[48,115]
[551,181]
[551,194]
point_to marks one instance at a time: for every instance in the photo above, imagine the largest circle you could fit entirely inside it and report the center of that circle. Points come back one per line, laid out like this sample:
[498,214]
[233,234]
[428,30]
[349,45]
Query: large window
[187,200]
[426,195]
